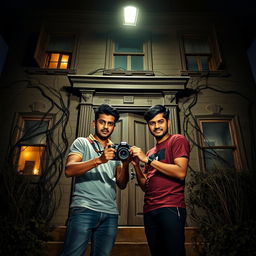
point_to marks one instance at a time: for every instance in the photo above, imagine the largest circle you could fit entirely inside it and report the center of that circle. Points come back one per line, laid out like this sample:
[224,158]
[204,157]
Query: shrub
[23,229]
[221,204]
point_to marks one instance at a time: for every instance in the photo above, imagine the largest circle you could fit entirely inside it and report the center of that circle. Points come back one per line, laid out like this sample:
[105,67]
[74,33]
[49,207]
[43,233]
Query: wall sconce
[130,15]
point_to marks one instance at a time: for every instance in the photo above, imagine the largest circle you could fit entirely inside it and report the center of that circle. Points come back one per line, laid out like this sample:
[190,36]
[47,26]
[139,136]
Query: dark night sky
[245,10]
[239,6]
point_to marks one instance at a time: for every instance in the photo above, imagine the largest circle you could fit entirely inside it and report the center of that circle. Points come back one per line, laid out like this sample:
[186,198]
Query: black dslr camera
[122,150]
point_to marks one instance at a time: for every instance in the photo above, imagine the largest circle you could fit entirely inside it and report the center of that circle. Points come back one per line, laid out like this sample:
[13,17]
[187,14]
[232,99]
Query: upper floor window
[56,51]
[200,52]
[197,53]
[128,52]
[57,60]
[31,143]
[219,144]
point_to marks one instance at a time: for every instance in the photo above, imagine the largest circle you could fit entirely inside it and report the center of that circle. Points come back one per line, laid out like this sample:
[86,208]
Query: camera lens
[123,154]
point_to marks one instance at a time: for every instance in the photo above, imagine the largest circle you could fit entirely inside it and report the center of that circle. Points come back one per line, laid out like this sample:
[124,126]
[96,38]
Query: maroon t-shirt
[162,190]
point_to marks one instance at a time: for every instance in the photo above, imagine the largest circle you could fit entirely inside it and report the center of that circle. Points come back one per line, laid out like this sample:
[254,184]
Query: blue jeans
[85,225]
[164,228]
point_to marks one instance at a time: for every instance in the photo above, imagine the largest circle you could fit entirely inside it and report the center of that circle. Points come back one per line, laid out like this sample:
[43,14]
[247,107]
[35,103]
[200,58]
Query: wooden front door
[133,129]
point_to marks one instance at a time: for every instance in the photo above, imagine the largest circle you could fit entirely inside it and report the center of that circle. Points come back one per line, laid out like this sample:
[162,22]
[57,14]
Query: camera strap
[95,144]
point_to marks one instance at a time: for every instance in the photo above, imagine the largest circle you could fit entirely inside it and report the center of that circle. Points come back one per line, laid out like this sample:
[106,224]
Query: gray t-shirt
[95,189]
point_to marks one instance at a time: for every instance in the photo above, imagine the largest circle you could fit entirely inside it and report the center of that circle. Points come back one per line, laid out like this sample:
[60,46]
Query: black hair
[107,110]
[155,110]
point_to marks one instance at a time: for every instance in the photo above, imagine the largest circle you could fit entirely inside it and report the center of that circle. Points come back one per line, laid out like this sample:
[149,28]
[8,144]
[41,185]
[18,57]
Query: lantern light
[130,15]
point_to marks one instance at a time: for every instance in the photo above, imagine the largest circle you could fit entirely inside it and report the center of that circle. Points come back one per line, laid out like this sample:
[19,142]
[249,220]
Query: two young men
[93,213]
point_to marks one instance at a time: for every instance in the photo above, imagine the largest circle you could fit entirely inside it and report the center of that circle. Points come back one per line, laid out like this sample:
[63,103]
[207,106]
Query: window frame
[20,122]
[41,52]
[111,53]
[234,133]
[215,63]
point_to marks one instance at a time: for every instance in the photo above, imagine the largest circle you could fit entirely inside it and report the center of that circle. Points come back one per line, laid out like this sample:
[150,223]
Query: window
[219,144]
[197,53]
[128,52]
[31,144]
[200,52]
[57,60]
[56,51]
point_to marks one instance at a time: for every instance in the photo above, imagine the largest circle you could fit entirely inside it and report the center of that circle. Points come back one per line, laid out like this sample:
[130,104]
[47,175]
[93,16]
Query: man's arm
[140,176]
[122,175]
[74,166]
[177,170]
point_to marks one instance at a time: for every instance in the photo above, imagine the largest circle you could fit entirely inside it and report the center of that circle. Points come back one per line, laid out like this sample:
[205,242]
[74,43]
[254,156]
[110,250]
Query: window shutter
[39,54]
[216,60]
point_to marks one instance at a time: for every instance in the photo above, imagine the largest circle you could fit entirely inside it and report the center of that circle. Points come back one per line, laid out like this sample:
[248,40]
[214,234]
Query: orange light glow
[58,60]
[30,159]
[64,62]
[63,65]
[54,57]
[53,65]
[65,58]
[36,172]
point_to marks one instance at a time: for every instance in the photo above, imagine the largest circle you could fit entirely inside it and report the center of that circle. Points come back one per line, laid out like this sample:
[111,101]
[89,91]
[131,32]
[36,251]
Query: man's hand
[135,161]
[139,154]
[108,154]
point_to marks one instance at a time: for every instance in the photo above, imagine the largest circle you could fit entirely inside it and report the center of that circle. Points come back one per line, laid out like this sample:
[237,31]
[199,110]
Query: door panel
[132,129]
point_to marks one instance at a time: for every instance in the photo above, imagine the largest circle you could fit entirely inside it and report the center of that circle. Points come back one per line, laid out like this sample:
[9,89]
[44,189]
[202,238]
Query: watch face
[151,158]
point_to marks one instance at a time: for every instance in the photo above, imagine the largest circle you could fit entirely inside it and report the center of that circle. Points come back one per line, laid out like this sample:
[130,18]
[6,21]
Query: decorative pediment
[128,83]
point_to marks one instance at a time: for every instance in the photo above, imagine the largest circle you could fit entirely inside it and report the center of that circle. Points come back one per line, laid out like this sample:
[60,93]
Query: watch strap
[150,159]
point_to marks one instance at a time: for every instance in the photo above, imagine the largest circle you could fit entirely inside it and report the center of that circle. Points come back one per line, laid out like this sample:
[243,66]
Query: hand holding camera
[138,153]
[107,154]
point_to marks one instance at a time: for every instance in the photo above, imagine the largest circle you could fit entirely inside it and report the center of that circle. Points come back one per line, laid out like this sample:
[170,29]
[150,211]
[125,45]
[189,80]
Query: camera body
[122,150]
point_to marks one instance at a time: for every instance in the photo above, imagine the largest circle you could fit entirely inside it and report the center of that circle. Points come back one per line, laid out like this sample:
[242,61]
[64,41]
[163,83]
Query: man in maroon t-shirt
[163,182]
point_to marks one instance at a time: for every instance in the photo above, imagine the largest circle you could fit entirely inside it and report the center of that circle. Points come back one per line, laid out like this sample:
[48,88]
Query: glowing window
[30,159]
[57,60]
[56,51]
[32,144]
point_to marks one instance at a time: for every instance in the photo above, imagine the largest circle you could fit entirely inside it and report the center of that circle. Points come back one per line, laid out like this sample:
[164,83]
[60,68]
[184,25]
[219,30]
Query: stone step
[131,240]
[125,233]
[119,249]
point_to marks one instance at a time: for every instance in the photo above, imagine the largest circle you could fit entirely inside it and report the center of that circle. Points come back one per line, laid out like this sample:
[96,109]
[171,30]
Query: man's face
[104,126]
[158,126]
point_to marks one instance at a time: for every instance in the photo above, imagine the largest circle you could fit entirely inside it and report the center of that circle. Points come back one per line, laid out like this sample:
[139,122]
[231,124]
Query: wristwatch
[150,159]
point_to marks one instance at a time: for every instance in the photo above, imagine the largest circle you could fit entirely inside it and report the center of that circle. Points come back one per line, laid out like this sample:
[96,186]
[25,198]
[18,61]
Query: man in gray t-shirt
[93,211]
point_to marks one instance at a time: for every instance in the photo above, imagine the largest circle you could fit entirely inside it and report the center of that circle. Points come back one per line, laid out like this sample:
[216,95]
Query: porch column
[171,104]
[85,113]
